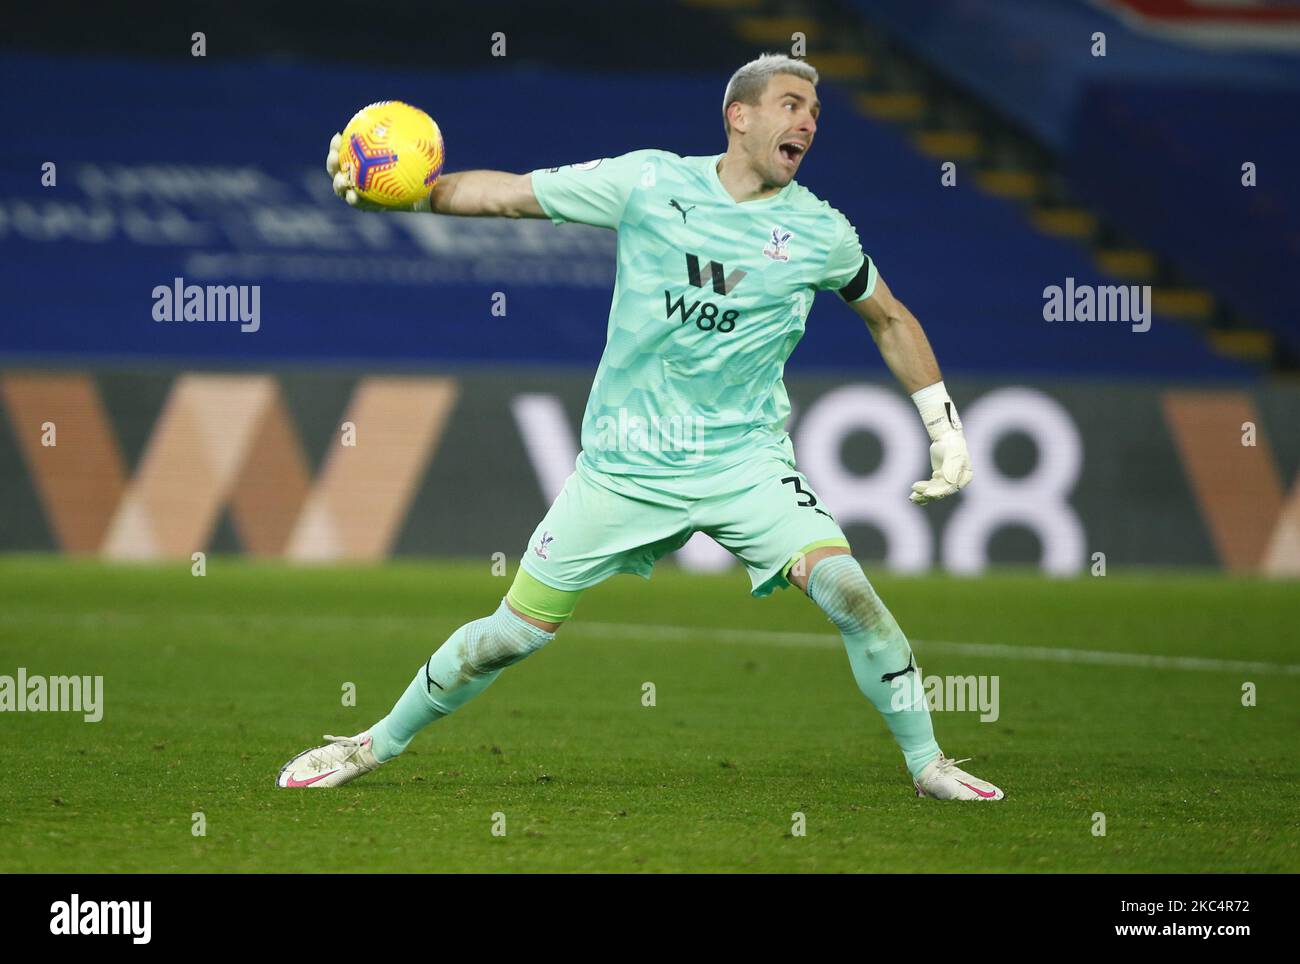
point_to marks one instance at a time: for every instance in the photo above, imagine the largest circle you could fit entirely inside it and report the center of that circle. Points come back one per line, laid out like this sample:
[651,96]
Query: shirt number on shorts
[809,500]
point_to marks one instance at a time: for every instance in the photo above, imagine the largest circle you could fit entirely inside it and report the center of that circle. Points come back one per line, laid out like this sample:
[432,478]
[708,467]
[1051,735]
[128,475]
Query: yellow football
[391,153]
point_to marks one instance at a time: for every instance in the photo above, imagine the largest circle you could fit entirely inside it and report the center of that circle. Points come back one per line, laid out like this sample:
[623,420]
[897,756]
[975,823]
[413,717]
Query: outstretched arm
[485,194]
[899,337]
[907,352]
[467,193]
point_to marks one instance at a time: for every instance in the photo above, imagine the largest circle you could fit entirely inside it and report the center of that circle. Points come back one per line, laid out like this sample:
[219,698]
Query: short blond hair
[748,83]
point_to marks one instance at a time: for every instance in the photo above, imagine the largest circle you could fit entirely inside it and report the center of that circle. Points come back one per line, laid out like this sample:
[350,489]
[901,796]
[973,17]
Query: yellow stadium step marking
[1250,345]
[1065,222]
[842,66]
[1193,304]
[1018,185]
[776,30]
[1131,263]
[899,105]
[948,145]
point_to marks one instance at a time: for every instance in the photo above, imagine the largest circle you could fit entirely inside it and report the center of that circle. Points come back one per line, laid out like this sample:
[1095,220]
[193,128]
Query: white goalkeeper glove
[948,456]
[345,189]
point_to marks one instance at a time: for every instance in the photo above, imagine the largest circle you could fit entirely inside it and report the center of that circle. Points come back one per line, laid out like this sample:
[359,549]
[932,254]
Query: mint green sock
[879,654]
[464,666]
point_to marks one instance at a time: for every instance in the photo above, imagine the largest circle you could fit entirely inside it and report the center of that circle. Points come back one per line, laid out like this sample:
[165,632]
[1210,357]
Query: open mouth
[792,151]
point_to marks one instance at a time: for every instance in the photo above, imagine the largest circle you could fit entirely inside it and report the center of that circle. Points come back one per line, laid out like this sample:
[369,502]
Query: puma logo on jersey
[684,211]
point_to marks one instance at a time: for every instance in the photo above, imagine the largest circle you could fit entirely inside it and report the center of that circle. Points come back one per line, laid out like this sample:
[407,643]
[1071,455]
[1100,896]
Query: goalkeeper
[718,261]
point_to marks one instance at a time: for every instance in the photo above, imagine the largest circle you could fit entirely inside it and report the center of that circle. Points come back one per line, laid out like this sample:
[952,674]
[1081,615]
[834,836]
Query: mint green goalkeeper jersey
[710,298]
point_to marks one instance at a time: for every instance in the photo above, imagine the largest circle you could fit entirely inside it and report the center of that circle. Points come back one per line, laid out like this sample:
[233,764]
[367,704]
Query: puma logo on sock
[430,682]
[887,677]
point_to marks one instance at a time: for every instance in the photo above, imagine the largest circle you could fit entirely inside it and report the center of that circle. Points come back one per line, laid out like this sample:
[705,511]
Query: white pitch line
[747,637]
[1039,654]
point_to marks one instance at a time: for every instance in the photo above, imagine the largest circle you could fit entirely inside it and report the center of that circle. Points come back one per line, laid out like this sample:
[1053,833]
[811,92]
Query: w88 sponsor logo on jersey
[710,317]
[707,315]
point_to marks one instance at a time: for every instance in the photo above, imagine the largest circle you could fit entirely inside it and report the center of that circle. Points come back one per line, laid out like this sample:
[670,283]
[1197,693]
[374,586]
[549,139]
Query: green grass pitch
[211,683]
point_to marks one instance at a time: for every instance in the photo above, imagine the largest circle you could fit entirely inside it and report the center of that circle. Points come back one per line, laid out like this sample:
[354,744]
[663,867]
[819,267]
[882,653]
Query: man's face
[779,130]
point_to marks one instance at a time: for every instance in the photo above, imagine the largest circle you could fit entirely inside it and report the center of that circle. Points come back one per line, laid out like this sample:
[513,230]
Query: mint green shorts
[763,510]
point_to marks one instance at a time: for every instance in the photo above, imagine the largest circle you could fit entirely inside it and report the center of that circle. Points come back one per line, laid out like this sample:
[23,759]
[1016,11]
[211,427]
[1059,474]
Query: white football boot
[340,761]
[944,780]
